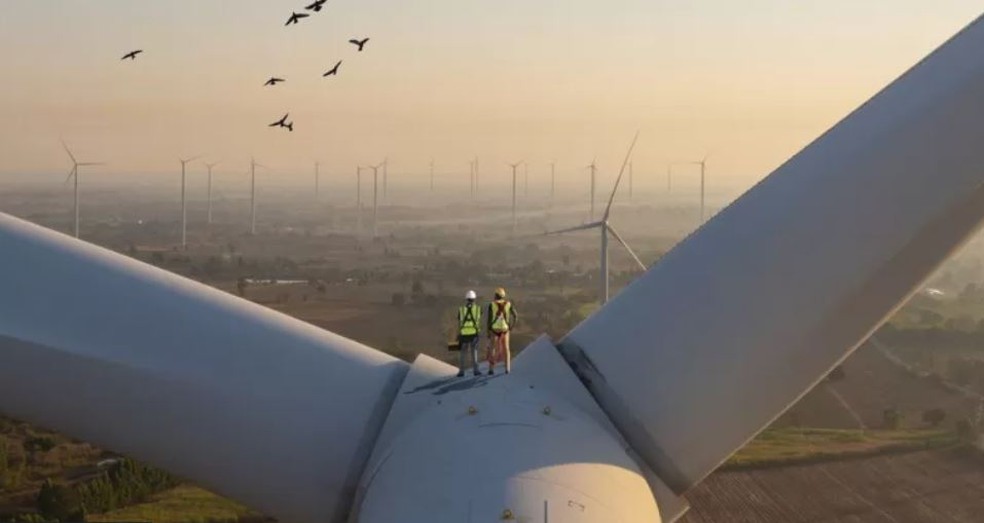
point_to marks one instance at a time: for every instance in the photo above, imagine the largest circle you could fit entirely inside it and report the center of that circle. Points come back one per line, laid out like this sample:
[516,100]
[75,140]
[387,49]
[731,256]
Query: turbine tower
[375,196]
[358,200]
[514,166]
[593,168]
[252,194]
[208,192]
[184,207]
[616,421]
[553,182]
[605,227]
[703,168]
[74,173]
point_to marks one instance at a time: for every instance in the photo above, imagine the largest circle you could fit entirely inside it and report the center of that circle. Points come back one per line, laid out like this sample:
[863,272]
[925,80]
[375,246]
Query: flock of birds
[294,19]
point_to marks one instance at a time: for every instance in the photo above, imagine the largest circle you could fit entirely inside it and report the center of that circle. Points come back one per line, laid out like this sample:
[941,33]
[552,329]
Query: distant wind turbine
[606,228]
[514,166]
[252,194]
[358,200]
[74,173]
[594,173]
[375,196]
[184,207]
[553,182]
[703,169]
[209,166]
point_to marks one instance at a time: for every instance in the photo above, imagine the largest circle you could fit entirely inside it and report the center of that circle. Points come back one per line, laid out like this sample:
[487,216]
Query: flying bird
[295,17]
[132,55]
[334,70]
[316,6]
[284,123]
[359,43]
[274,81]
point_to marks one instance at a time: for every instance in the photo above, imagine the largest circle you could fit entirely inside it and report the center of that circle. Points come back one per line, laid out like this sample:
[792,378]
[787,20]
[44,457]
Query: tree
[58,502]
[933,417]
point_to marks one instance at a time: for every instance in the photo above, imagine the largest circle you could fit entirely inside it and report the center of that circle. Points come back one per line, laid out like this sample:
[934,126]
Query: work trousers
[468,343]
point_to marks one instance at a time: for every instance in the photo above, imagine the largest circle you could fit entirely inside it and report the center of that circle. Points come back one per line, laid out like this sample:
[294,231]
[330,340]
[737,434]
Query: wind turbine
[594,172]
[375,196]
[514,166]
[209,166]
[606,227]
[703,168]
[358,199]
[553,182]
[184,207]
[252,194]
[619,428]
[74,173]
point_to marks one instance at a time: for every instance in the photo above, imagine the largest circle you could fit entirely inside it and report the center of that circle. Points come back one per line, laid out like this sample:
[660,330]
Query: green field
[787,446]
[184,504]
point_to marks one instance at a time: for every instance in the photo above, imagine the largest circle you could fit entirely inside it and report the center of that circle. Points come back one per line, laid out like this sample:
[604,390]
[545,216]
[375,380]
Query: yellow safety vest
[500,311]
[468,319]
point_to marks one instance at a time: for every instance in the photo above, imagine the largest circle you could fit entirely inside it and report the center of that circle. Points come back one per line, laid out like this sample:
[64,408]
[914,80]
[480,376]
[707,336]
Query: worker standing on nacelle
[469,325]
[502,319]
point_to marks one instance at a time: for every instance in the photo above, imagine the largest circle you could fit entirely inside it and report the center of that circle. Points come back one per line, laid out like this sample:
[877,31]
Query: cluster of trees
[127,482]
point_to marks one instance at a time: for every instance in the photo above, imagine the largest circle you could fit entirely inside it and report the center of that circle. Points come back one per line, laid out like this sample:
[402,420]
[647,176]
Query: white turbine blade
[621,172]
[627,248]
[253,404]
[593,225]
[89,164]
[67,150]
[746,315]
[71,172]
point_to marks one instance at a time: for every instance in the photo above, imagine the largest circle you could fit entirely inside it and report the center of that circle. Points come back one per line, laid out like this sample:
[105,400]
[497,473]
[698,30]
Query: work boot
[461,373]
[491,372]
[476,373]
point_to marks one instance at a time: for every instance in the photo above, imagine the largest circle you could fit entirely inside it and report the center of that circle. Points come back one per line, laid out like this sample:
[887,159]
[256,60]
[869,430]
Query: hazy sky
[751,81]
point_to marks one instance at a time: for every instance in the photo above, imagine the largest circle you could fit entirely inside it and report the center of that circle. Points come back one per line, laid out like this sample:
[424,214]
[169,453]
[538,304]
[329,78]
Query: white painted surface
[447,464]
[748,313]
[255,405]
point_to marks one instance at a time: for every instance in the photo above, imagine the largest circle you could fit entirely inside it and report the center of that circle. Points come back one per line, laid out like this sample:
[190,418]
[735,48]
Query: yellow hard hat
[500,292]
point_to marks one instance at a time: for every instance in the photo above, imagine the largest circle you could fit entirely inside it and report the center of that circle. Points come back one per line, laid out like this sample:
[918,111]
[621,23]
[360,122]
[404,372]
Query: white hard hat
[470,295]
